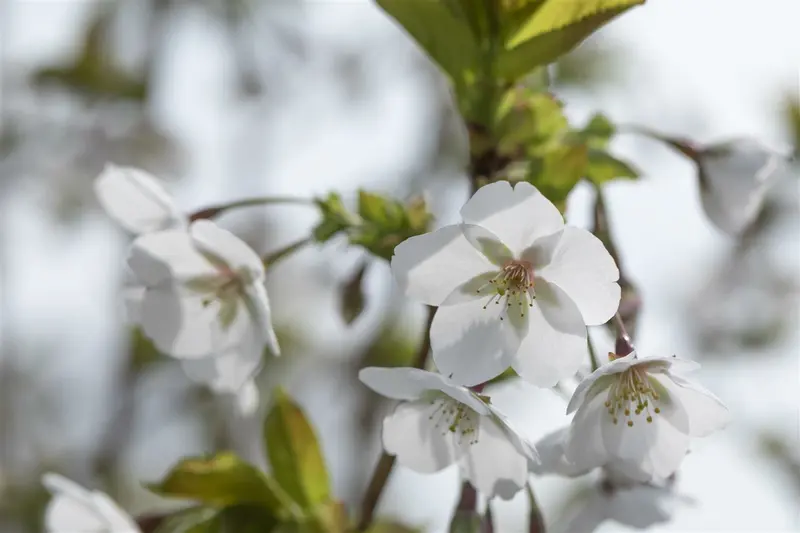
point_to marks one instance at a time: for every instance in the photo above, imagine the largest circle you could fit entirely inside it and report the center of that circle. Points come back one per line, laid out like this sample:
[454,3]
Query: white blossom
[74,509]
[514,286]
[439,423]
[734,179]
[636,416]
[138,202]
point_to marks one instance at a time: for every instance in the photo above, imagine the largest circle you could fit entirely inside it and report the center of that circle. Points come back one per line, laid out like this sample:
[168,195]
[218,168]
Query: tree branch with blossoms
[510,290]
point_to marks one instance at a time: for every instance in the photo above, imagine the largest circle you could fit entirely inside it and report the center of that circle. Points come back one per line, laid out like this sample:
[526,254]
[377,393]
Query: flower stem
[211,212]
[592,355]
[623,346]
[277,255]
[385,464]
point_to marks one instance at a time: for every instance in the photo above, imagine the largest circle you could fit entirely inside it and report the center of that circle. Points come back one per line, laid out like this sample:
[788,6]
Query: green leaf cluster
[380,223]
[236,497]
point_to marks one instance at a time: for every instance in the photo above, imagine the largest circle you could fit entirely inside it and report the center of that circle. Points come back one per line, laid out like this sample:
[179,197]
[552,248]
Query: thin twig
[386,463]
[536,520]
[216,210]
[270,259]
[592,355]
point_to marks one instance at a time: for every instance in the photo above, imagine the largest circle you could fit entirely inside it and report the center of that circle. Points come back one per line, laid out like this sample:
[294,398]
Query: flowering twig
[213,211]
[385,464]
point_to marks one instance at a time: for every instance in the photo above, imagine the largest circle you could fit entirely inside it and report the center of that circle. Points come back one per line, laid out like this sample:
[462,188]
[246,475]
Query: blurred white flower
[636,417]
[74,509]
[514,286]
[136,200]
[638,506]
[439,423]
[204,291]
[734,178]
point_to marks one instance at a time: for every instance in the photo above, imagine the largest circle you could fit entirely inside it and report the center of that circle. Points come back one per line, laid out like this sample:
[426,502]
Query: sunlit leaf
[552,30]
[445,36]
[557,172]
[603,167]
[294,453]
[222,480]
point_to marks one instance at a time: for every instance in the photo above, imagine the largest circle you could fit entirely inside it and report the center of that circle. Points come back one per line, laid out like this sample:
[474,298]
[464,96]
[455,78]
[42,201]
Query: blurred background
[228,99]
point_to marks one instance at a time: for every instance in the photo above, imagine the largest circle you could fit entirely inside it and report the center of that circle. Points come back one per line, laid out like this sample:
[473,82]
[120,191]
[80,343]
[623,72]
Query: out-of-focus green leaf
[332,517]
[551,30]
[793,120]
[529,121]
[598,131]
[192,520]
[223,480]
[246,519]
[557,172]
[294,453]
[385,223]
[352,295]
[335,217]
[603,167]
[440,31]
[390,527]
[142,350]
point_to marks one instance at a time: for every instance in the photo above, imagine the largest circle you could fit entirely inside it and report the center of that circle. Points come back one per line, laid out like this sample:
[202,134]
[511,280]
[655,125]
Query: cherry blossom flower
[139,203]
[636,416]
[439,423]
[75,509]
[514,286]
[204,291]
[734,179]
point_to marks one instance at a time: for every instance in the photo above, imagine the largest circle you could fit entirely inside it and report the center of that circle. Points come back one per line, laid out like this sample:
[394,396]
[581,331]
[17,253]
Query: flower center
[453,417]
[512,285]
[631,395]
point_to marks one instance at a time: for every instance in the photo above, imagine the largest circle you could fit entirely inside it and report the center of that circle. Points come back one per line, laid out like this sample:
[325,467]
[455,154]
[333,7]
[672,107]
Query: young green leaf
[552,30]
[191,520]
[603,167]
[294,453]
[558,171]
[220,481]
[446,38]
[351,294]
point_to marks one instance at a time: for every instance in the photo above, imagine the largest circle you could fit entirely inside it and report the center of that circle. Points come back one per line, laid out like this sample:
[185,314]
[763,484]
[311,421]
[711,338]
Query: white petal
[229,372]
[522,445]
[75,509]
[412,383]
[227,247]
[257,303]
[654,449]
[641,506]
[555,346]
[429,267]
[580,396]
[164,256]
[734,180]
[136,200]
[470,344]
[705,412]
[584,269]
[247,399]
[552,459]
[517,216]
[585,448]
[410,434]
[493,464]
[181,325]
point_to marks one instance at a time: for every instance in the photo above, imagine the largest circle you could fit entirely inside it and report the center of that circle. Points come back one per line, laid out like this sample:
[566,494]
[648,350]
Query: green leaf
[604,167]
[531,121]
[554,29]
[446,37]
[390,527]
[294,453]
[246,519]
[222,480]
[335,217]
[558,171]
[598,131]
[352,295]
[381,211]
[192,520]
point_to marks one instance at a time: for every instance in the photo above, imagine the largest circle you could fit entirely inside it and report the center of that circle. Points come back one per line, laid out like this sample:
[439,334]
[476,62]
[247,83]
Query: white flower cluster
[197,291]
[516,288]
